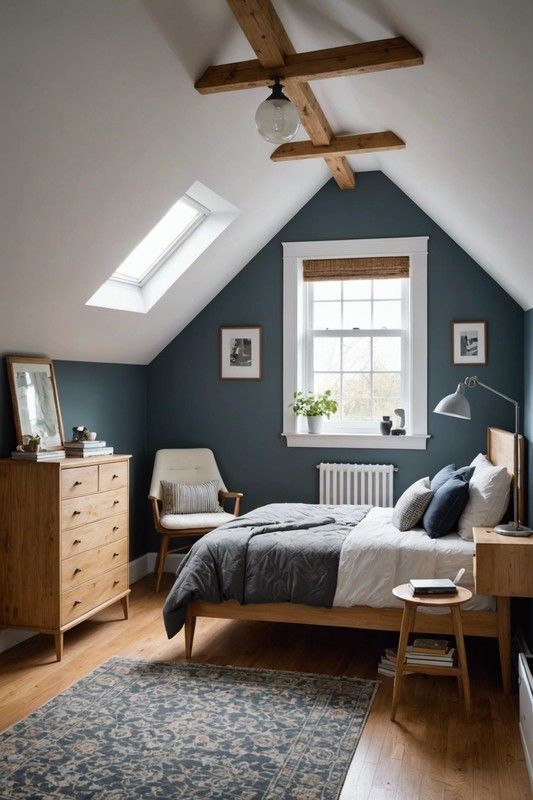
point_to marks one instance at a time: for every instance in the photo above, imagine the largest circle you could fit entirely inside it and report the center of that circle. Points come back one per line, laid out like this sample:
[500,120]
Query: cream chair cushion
[194,465]
[180,522]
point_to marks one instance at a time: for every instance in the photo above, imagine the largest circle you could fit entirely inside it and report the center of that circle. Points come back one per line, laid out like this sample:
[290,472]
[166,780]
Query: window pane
[387,314]
[356,396]
[357,314]
[326,315]
[357,290]
[327,354]
[388,289]
[387,387]
[387,353]
[327,290]
[328,380]
[356,354]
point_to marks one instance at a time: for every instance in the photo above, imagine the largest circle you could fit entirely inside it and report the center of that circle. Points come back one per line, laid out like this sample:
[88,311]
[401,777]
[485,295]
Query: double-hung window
[355,323]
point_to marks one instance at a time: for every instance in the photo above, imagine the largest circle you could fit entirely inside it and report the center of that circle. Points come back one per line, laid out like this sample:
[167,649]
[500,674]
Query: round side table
[411,603]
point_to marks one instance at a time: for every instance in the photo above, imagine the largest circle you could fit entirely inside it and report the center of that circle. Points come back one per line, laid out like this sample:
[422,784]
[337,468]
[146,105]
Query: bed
[361,596]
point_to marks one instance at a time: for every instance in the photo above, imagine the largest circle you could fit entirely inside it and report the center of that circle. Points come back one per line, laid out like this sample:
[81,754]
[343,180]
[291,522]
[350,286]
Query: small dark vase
[385,426]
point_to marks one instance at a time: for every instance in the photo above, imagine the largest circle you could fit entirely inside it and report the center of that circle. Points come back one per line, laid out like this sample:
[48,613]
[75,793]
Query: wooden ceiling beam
[269,40]
[352,59]
[355,144]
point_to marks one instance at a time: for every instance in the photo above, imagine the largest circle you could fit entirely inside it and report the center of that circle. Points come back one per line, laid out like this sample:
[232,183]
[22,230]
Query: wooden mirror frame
[10,362]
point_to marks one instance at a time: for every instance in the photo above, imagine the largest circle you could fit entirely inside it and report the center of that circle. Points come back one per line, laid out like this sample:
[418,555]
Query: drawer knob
[115,527]
[78,569]
[115,582]
[116,502]
[76,541]
[77,483]
[114,476]
[77,602]
[76,513]
[115,555]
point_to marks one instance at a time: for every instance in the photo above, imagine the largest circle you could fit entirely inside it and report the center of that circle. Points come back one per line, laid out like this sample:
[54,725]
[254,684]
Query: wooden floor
[430,753]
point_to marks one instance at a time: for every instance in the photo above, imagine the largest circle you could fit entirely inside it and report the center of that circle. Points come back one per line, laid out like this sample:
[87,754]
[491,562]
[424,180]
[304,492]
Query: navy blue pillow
[450,471]
[446,506]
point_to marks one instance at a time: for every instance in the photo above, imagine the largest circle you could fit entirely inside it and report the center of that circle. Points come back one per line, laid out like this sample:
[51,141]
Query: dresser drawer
[92,563]
[96,534]
[92,593]
[112,476]
[79,481]
[81,510]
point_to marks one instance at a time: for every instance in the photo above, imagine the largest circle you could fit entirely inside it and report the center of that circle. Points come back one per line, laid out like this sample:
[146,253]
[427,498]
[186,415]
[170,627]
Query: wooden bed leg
[190,624]
[504,640]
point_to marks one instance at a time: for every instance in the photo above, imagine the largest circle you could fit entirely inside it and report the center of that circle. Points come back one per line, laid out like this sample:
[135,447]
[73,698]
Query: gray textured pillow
[194,498]
[410,507]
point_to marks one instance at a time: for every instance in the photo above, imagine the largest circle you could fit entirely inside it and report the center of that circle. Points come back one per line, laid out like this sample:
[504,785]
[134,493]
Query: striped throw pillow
[194,498]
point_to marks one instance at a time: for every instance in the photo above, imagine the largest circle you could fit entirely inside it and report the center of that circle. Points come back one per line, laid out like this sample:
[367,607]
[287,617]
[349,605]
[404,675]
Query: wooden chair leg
[58,640]
[504,640]
[126,606]
[461,657]
[190,624]
[160,563]
[408,618]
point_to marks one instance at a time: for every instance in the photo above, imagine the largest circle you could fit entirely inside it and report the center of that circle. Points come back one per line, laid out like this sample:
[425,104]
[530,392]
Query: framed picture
[241,352]
[469,342]
[35,400]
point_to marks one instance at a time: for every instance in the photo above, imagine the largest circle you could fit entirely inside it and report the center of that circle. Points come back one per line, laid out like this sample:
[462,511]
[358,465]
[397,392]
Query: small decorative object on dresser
[241,352]
[35,400]
[64,545]
[469,342]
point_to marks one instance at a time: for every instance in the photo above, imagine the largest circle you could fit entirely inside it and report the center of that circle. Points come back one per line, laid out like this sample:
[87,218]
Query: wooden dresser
[64,541]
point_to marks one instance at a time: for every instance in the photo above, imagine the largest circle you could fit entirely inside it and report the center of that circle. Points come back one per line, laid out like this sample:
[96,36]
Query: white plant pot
[314,424]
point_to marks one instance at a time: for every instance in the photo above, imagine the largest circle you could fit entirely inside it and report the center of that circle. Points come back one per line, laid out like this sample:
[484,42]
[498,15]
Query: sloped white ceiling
[102,131]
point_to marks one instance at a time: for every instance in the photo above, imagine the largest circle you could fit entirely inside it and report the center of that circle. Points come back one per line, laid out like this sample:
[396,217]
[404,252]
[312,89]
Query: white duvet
[376,557]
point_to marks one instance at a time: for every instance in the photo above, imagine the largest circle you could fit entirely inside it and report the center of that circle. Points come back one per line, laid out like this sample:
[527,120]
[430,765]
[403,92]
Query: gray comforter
[283,552]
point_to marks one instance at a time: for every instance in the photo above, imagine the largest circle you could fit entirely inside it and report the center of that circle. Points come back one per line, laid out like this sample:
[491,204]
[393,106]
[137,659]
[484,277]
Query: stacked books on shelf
[85,449]
[40,455]
[422,587]
[423,652]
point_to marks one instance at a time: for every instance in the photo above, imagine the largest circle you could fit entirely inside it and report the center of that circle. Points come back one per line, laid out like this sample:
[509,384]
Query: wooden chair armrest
[156,512]
[232,495]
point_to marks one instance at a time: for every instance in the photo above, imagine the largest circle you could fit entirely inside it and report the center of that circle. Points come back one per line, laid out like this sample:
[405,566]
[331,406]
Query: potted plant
[315,407]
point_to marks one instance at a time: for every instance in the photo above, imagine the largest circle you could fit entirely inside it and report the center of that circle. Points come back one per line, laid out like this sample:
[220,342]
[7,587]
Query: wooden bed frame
[494,624]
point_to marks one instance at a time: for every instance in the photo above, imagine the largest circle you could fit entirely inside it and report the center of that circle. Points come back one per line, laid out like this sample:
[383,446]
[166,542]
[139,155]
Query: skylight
[164,238]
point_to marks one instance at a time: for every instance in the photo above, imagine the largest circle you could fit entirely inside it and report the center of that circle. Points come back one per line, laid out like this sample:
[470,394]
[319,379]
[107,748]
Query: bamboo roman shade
[346,269]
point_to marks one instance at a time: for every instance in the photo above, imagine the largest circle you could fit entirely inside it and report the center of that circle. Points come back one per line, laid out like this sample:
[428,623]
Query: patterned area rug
[134,729]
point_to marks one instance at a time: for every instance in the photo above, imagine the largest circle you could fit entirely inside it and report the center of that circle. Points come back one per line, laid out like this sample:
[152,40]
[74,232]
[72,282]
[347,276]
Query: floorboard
[430,753]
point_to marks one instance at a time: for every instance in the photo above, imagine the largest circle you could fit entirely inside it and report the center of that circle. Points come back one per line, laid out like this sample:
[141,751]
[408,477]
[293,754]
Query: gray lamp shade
[454,405]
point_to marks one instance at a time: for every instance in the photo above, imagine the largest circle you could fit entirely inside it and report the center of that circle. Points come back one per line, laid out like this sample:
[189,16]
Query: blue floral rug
[134,729]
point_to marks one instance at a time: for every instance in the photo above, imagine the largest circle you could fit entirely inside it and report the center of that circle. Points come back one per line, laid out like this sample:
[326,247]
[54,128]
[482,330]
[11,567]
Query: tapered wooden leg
[408,618]
[461,657]
[125,606]
[58,639]
[160,563]
[190,624]
[504,640]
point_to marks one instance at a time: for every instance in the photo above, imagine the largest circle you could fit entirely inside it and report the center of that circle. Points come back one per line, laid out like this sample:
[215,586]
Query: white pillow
[489,492]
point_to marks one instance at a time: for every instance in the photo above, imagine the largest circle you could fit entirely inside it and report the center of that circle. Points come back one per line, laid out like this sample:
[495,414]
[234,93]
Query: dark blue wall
[242,420]
[112,400]
[528,430]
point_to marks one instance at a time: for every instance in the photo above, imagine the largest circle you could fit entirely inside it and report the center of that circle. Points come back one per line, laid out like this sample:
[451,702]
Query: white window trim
[294,254]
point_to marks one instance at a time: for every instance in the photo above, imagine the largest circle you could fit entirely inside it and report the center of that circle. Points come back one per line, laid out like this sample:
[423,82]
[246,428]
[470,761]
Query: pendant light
[277,119]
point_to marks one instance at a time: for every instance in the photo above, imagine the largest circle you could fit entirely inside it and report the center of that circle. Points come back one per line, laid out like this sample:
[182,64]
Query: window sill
[359,441]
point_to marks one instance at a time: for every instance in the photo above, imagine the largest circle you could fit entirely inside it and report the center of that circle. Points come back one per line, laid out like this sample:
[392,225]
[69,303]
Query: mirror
[35,400]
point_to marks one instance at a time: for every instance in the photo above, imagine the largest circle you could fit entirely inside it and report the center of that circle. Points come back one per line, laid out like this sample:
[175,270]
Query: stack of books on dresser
[40,455]
[423,652]
[86,449]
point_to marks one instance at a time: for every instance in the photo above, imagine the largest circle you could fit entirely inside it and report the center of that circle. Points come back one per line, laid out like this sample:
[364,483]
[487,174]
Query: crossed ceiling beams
[277,57]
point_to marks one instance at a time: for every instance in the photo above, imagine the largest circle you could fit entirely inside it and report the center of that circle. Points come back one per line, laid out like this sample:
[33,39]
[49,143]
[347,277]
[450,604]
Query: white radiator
[356,484]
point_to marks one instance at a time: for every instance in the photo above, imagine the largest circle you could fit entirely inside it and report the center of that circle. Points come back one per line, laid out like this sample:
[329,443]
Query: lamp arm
[474,381]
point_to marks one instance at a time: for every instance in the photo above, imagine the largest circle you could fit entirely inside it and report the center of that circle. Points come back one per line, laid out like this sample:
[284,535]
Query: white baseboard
[139,567]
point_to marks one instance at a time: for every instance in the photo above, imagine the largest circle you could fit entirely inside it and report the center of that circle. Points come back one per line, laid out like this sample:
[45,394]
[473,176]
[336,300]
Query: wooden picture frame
[43,383]
[469,342]
[241,352]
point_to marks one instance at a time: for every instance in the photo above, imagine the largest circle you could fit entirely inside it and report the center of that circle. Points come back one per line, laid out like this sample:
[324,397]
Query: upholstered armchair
[190,466]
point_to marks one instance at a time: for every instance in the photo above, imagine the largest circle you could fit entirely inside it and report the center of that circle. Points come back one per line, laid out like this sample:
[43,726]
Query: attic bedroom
[266,400]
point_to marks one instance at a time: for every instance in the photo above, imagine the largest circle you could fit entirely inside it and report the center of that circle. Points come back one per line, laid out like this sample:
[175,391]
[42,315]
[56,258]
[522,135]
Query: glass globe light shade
[277,119]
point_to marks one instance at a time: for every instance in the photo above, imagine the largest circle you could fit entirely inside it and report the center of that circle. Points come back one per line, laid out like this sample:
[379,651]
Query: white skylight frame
[160,256]
[179,256]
